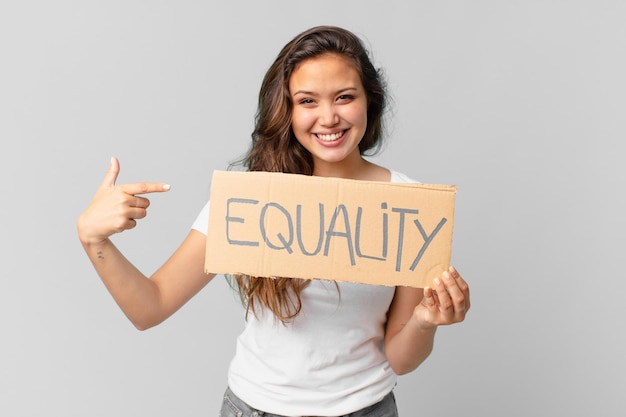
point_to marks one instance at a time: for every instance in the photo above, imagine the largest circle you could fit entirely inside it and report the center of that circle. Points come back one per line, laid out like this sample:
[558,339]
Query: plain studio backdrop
[521,104]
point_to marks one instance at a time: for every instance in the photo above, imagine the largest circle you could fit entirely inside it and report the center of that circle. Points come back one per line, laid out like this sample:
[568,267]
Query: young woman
[310,347]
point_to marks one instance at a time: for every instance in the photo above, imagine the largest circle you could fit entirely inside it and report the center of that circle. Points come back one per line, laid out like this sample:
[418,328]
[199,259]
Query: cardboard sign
[286,225]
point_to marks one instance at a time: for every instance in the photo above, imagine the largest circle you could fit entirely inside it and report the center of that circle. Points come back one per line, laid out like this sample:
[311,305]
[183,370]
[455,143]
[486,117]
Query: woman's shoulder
[376,172]
[400,177]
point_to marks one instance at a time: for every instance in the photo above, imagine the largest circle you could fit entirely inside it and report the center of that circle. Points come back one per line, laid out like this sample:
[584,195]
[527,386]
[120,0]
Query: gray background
[519,103]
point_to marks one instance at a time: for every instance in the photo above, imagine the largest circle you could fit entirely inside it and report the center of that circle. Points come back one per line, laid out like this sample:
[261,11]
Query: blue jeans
[235,407]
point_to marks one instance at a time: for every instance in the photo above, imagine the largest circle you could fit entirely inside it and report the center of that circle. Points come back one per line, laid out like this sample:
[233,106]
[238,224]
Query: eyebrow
[312,93]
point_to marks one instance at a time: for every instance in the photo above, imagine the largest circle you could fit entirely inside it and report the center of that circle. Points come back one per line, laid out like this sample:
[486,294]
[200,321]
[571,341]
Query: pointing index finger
[145,188]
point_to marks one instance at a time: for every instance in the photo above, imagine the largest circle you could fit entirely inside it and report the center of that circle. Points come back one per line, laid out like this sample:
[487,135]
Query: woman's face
[329,115]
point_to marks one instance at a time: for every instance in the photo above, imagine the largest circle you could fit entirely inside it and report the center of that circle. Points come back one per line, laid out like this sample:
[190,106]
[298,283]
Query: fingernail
[166,186]
[437,281]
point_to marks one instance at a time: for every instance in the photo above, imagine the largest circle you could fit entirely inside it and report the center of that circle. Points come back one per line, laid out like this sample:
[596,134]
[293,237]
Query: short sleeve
[400,177]
[201,224]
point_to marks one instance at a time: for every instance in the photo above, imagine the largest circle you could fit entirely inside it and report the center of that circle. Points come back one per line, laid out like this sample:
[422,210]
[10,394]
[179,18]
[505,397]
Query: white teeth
[330,138]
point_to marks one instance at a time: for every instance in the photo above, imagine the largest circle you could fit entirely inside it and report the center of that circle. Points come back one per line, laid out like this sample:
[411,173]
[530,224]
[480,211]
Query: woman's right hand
[115,208]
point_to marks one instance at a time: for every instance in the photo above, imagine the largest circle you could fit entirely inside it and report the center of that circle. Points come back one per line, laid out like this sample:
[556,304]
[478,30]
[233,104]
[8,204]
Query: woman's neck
[356,169]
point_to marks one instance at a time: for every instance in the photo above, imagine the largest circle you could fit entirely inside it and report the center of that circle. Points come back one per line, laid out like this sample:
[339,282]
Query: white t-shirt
[328,361]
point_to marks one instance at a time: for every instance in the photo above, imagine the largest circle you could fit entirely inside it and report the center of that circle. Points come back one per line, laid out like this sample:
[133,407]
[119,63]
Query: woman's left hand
[447,302]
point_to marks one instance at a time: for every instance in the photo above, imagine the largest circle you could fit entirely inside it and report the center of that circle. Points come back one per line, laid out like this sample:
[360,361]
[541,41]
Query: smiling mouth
[330,137]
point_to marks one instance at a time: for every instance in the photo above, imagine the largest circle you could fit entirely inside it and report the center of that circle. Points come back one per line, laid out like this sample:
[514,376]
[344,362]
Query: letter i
[385,229]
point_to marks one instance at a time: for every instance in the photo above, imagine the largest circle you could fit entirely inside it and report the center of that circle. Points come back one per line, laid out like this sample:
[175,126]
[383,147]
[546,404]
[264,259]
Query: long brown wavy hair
[275,148]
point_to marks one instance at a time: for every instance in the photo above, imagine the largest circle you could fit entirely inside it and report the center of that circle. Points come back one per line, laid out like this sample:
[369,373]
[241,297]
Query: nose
[328,116]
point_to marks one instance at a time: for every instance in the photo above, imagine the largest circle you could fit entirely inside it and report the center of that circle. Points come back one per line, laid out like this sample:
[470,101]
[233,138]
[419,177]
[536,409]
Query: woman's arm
[415,314]
[146,302]
[149,301]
